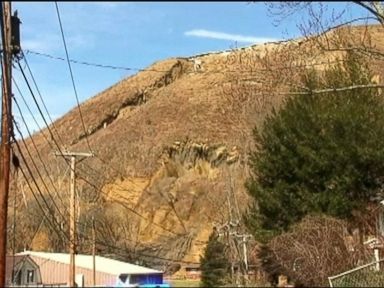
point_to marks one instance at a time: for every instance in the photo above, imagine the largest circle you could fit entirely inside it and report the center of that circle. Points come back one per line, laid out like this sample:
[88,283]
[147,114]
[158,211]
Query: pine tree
[214,265]
[321,153]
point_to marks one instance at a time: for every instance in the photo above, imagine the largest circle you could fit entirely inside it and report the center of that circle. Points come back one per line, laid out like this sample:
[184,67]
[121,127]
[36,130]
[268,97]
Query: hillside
[172,140]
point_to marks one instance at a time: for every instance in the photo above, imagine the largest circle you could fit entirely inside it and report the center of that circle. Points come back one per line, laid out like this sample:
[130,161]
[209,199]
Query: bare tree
[321,21]
[317,243]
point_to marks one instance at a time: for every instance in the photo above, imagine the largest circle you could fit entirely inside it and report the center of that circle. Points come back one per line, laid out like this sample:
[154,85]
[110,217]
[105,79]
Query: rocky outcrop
[188,153]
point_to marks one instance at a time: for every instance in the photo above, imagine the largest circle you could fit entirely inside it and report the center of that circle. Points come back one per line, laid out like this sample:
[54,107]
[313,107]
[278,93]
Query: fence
[368,275]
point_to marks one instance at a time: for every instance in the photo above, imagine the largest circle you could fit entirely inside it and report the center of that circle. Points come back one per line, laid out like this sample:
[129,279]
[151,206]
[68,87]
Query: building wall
[21,273]
[56,273]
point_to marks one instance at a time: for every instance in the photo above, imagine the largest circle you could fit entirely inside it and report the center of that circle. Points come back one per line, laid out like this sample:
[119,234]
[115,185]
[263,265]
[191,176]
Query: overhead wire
[38,106]
[84,179]
[130,209]
[128,200]
[99,190]
[31,113]
[98,242]
[72,77]
[222,71]
[38,153]
[40,111]
[85,63]
[145,254]
[38,172]
[32,140]
[54,225]
[42,115]
[120,202]
[24,57]
[94,64]
[218,210]
[76,98]
[52,137]
[86,238]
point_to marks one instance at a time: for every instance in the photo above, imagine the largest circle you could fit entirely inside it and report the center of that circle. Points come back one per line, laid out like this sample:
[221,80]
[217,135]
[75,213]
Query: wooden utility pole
[6,128]
[72,217]
[94,251]
[72,223]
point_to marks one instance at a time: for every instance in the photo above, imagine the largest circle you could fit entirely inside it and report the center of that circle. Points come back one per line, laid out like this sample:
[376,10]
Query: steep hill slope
[172,141]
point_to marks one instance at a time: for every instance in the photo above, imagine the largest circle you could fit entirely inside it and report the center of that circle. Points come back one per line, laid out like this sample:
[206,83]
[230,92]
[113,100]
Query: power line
[30,112]
[138,253]
[79,107]
[38,153]
[223,71]
[55,227]
[32,139]
[41,113]
[37,104]
[72,78]
[38,172]
[219,207]
[124,198]
[124,189]
[84,179]
[80,234]
[131,209]
[146,255]
[41,98]
[122,203]
[100,191]
[94,64]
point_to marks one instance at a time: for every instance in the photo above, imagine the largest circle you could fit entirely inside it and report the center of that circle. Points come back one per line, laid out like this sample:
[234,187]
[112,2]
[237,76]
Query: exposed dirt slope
[173,140]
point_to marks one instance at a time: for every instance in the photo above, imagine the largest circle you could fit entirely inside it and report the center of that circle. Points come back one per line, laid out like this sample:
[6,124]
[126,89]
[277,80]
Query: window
[16,276]
[123,277]
[30,276]
[146,279]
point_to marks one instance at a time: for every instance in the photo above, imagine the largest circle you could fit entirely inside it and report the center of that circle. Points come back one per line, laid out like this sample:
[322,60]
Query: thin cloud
[50,43]
[45,43]
[226,36]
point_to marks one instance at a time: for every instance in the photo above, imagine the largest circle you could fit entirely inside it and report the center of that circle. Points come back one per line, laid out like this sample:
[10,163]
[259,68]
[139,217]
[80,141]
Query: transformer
[15,29]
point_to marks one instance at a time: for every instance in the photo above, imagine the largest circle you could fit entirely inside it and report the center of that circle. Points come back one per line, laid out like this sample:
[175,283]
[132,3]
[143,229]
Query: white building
[52,269]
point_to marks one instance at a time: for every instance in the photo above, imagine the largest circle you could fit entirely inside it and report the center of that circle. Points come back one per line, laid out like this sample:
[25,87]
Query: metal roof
[103,264]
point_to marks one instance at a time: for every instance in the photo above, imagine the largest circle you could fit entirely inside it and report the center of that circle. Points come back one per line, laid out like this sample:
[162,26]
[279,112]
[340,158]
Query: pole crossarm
[76,154]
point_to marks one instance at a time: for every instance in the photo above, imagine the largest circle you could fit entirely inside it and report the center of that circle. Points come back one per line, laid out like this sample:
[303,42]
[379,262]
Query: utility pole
[72,217]
[243,239]
[11,45]
[94,251]
[245,252]
[230,231]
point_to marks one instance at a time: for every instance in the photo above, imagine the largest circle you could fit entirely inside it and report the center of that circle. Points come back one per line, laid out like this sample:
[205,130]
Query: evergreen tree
[214,265]
[321,153]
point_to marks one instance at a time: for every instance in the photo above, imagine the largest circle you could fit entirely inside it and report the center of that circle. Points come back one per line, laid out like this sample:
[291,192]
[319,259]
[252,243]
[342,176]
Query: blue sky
[130,34]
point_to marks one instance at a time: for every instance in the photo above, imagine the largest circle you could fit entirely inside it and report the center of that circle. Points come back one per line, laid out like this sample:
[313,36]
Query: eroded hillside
[171,141]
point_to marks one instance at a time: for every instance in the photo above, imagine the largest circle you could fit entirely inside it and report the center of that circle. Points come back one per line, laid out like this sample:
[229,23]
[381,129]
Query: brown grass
[145,113]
